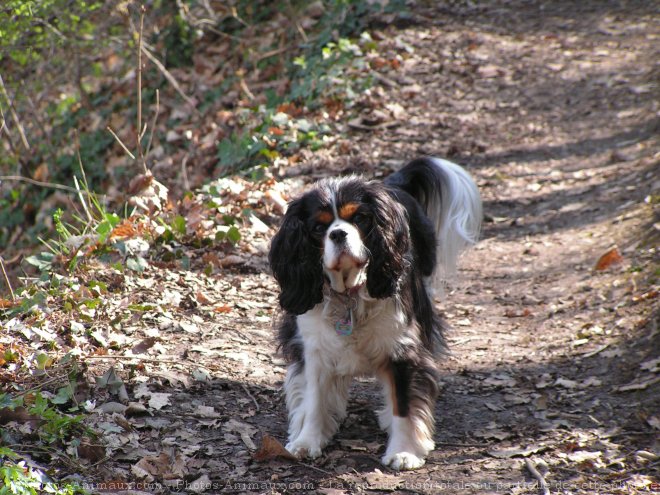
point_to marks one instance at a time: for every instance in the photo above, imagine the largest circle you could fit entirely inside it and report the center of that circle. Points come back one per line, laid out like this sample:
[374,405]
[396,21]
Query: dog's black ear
[389,244]
[296,262]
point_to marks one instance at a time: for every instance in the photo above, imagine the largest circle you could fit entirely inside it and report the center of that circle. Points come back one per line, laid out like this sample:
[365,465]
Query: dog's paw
[302,448]
[403,461]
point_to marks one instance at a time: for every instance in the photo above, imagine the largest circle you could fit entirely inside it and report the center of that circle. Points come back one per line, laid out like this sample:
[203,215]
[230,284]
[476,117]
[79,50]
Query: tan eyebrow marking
[348,210]
[324,217]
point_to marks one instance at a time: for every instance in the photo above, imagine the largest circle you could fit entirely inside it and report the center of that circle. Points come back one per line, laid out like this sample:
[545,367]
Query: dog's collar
[354,291]
[347,294]
[345,320]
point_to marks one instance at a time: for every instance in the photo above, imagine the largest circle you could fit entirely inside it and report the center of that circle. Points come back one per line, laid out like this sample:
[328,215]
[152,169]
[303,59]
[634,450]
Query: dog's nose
[338,236]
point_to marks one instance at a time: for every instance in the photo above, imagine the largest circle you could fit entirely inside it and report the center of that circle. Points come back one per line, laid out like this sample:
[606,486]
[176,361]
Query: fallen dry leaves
[611,258]
[188,380]
[271,449]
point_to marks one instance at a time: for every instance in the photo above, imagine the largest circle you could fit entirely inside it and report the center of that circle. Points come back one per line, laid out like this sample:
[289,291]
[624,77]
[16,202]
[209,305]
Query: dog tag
[344,326]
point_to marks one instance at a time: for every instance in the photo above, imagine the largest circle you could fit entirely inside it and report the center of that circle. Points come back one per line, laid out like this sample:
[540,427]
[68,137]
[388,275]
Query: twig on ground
[315,468]
[626,434]
[592,353]
[138,358]
[247,392]
[243,336]
[299,27]
[4,273]
[384,79]
[208,24]
[234,14]
[17,257]
[272,53]
[453,444]
[41,386]
[543,485]
[245,89]
[184,172]
[647,468]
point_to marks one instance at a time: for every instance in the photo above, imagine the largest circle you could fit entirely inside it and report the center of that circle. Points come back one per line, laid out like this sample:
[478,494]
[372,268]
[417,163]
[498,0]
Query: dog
[358,262]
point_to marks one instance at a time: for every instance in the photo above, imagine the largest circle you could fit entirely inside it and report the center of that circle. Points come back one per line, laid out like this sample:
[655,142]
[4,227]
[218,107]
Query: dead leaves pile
[120,321]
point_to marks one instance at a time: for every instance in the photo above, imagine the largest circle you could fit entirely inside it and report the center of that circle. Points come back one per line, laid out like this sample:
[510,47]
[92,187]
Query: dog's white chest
[375,329]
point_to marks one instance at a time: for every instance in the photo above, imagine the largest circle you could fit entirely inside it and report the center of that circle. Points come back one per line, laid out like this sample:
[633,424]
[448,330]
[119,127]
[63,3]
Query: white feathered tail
[451,200]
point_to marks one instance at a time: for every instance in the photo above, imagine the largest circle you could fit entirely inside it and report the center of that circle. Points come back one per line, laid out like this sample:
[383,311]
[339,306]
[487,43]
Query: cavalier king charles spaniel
[357,262]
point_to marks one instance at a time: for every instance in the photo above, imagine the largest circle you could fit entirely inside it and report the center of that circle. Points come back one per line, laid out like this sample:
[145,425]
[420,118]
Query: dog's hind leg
[410,389]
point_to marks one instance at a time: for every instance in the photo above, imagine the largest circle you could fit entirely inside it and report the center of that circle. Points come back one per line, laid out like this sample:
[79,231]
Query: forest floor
[555,362]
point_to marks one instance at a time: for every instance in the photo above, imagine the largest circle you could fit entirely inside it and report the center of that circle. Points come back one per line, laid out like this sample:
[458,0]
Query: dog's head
[346,233]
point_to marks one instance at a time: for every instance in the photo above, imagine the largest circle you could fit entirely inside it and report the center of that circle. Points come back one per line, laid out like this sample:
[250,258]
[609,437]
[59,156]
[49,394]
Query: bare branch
[170,78]
[121,143]
[19,178]
[4,272]
[82,200]
[139,92]
[14,115]
[153,123]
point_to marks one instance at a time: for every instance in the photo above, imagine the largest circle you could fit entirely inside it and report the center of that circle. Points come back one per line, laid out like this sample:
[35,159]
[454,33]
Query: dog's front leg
[316,401]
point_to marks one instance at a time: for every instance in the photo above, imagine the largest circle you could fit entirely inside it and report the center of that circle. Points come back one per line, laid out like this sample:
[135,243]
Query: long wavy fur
[412,228]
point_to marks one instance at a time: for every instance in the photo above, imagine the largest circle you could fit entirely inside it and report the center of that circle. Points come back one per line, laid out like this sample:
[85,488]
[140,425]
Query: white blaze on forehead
[333,203]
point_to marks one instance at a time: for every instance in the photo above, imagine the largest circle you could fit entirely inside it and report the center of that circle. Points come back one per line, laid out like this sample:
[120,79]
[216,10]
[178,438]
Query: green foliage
[237,152]
[178,38]
[28,28]
[336,72]
[32,298]
[136,263]
[56,40]
[54,428]
[18,478]
[269,134]
[229,233]
[93,148]
[348,17]
[66,41]
[106,223]
[179,225]
[329,65]
[42,261]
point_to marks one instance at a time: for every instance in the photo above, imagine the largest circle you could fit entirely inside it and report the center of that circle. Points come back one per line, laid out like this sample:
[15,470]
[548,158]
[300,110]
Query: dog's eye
[319,228]
[360,219]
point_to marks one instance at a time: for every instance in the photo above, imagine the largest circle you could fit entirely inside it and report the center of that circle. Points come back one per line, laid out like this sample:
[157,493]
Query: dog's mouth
[347,261]
[347,272]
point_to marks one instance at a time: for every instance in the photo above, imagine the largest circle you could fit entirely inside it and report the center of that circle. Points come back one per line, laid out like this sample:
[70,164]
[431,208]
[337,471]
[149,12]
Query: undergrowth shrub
[67,64]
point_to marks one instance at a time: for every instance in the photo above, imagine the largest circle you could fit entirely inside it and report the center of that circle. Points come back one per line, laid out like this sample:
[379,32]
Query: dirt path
[554,109]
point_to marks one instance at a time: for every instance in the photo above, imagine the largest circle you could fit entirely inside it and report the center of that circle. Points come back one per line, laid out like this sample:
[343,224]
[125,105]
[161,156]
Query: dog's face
[346,233]
[343,229]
